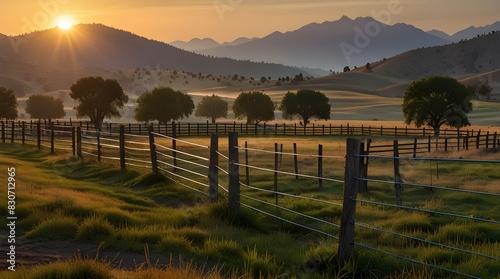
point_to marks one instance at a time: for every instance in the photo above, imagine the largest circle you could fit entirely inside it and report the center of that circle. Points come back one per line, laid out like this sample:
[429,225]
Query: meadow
[170,230]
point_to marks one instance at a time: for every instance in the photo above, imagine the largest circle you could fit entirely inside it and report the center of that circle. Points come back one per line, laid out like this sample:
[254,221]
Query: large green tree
[256,106]
[163,104]
[98,98]
[435,101]
[212,107]
[8,103]
[45,107]
[307,104]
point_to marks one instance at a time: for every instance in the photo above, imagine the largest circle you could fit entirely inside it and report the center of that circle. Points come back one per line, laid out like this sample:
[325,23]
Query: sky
[226,20]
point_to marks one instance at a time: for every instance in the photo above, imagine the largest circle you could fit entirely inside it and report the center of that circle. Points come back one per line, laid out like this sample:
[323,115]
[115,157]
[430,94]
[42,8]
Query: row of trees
[100,98]
[432,101]
[165,104]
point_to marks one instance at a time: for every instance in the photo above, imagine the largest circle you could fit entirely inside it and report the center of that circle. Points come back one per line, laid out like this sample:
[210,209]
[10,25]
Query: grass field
[94,204]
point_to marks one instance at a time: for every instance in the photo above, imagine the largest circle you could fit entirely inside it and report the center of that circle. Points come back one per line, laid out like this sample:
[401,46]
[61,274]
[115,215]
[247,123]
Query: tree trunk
[436,132]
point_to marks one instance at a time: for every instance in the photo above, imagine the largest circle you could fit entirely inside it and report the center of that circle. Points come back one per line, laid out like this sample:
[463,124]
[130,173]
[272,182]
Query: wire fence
[292,194]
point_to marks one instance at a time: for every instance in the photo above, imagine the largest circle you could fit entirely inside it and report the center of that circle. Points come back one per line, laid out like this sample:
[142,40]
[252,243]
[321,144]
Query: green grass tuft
[94,228]
[61,227]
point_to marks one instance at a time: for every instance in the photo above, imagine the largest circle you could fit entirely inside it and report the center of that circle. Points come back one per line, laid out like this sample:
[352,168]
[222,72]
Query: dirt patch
[32,252]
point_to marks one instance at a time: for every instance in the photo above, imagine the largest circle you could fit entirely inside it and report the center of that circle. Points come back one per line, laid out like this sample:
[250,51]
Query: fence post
[152,150]
[174,145]
[415,147]
[495,140]
[73,140]
[320,166]
[121,140]
[487,139]
[478,139]
[3,132]
[23,132]
[363,185]
[78,141]
[213,170]
[346,237]
[429,144]
[445,144]
[295,161]
[99,145]
[234,173]
[52,137]
[276,172]
[39,135]
[247,169]
[12,131]
[397,175]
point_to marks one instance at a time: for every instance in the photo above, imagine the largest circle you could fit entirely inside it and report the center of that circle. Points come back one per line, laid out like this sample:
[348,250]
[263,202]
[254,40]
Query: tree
[306,103]
[347,69]
[368,67]
[45,107]
[8,103]
[163,104]
[212,107]
[98,98]
[256,106]
[485,90]
[437,100]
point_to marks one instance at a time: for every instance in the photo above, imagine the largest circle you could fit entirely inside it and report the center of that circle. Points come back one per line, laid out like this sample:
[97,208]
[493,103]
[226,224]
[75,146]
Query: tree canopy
[8,103]
[256,106]
[212,107]
[437,100]
[98,98]
[307,104]
[45,107]
[163,104]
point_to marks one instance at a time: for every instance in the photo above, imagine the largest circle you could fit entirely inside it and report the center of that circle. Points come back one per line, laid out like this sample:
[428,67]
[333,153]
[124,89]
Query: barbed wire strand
[291,211]
[182,160]
[289,195]
[428,211]
[289,173]
[430,186]
[430,159]
[287,153]
[182,169]
[183,141]
[181,152]
[185,178]
[290,222]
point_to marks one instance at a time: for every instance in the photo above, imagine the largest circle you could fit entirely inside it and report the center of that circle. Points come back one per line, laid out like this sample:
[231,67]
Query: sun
[64,22]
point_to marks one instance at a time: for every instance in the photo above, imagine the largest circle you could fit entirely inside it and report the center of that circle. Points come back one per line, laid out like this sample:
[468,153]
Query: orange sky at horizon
[226,20]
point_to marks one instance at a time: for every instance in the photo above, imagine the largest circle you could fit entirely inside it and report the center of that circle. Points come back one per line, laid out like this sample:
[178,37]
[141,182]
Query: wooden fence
[182,129]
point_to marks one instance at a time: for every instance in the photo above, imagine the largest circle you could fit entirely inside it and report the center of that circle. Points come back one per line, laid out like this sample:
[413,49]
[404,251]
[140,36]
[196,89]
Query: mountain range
[333,44]
[467,33]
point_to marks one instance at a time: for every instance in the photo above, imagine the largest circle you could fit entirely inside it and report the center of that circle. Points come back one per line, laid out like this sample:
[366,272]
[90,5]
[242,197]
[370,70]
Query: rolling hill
[99,46]
[470,57]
